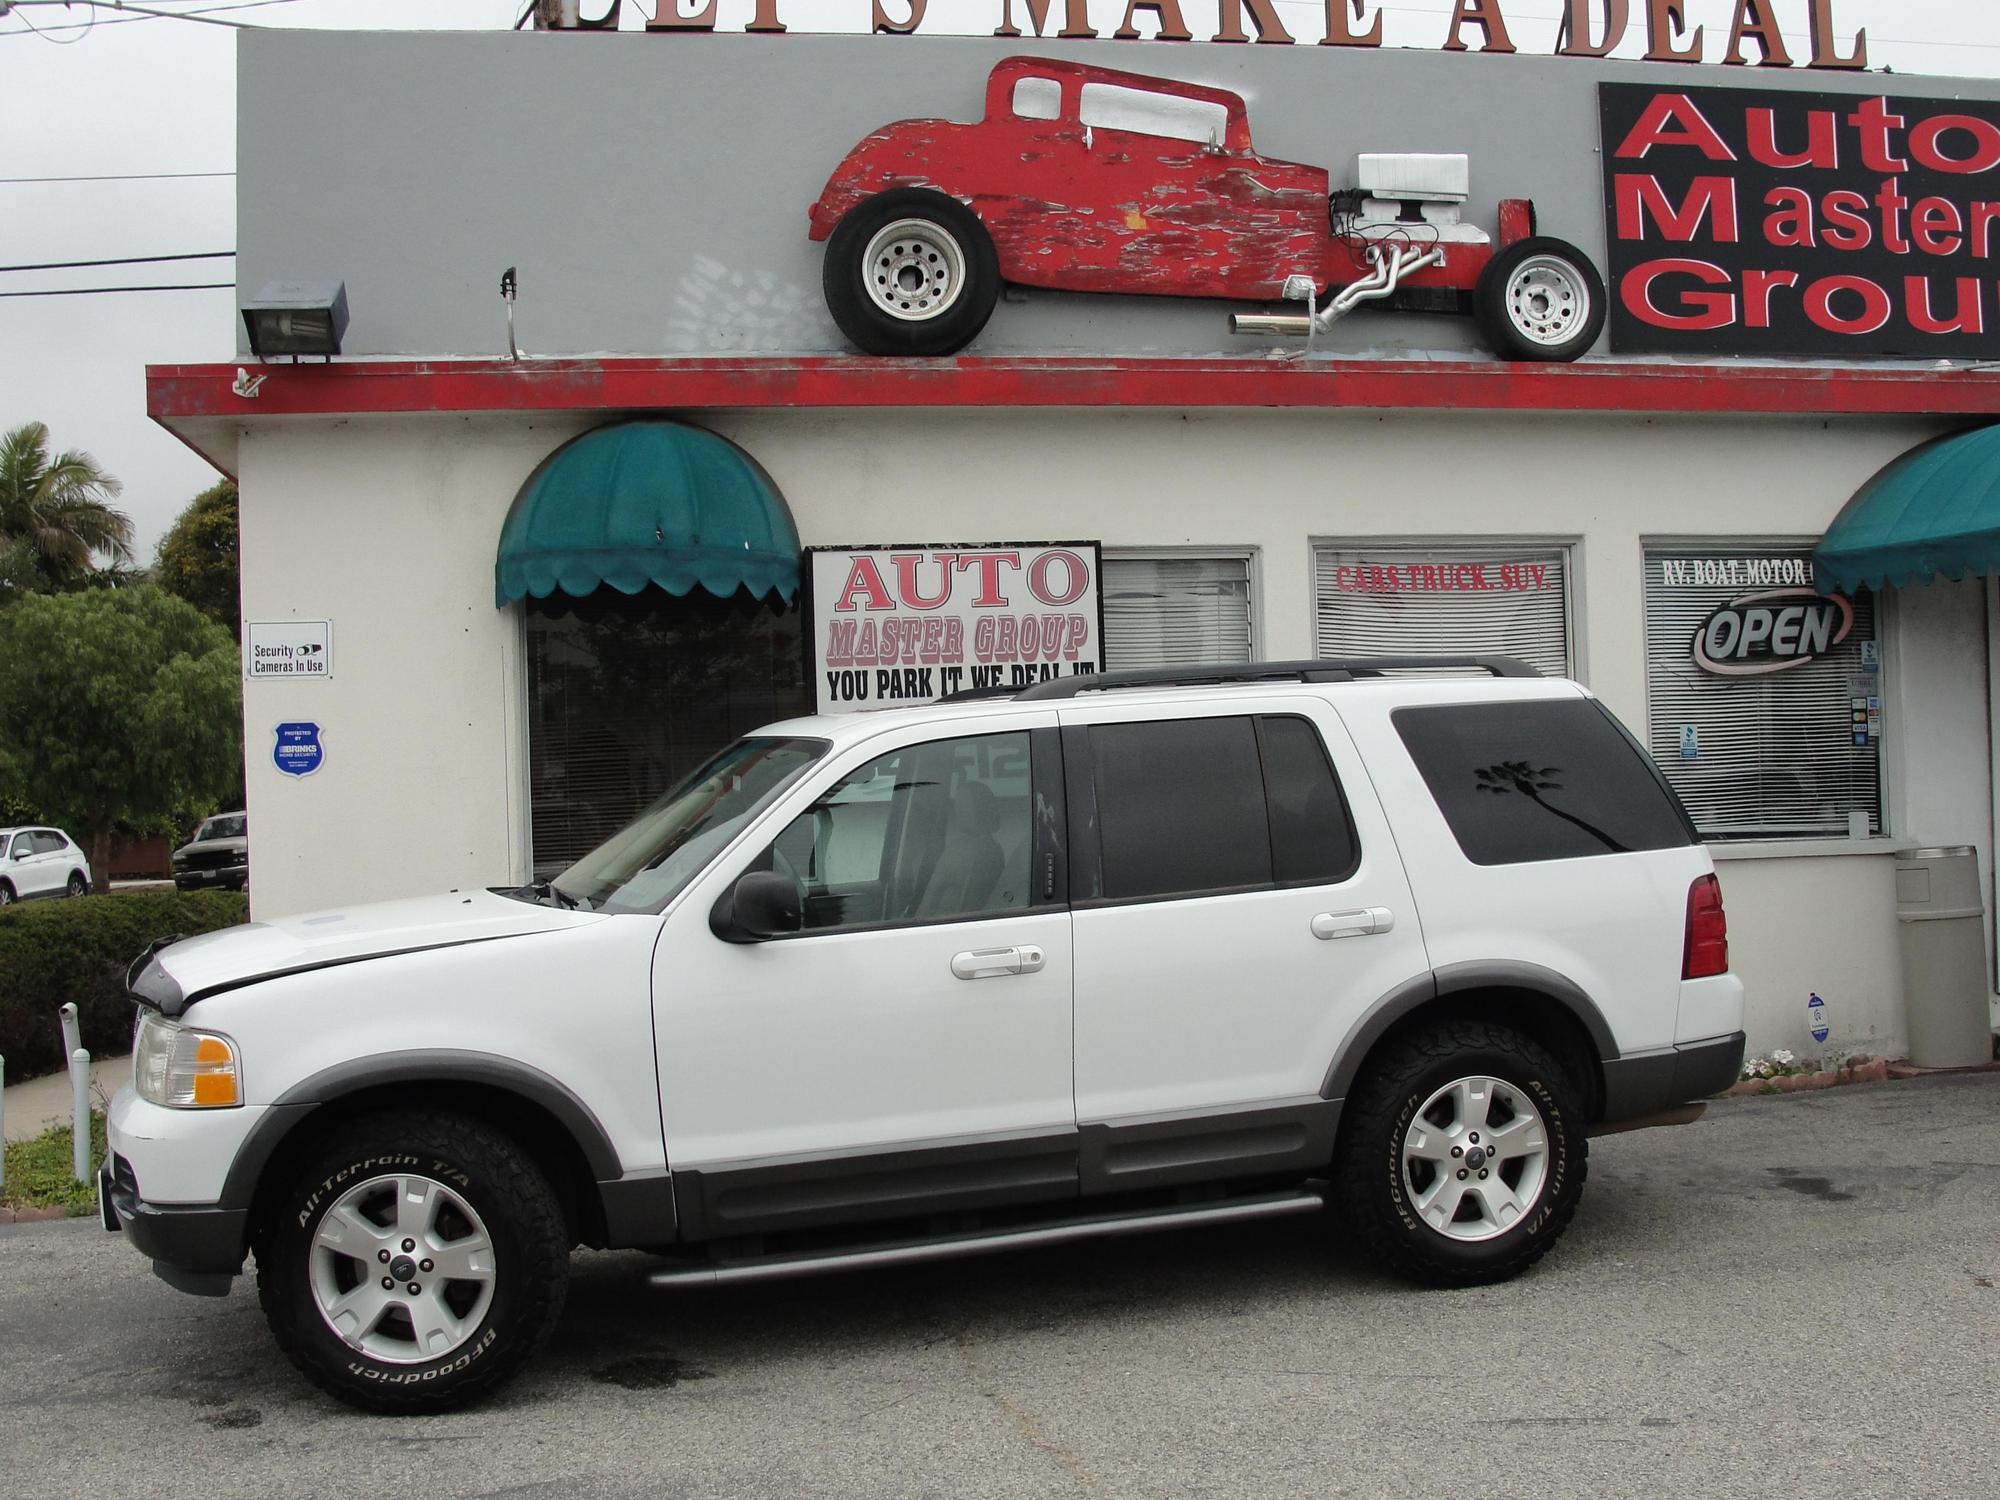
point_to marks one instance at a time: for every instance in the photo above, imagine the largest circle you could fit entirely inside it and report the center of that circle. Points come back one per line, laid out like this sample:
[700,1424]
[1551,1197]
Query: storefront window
[629,694]
[1764,697]
[1165,609]
[1443,600]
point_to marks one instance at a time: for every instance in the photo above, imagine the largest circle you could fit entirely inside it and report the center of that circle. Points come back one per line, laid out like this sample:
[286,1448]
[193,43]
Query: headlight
[182,1068]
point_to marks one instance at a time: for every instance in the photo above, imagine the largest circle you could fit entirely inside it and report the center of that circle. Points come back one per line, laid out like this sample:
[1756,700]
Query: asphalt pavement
[1797,1296]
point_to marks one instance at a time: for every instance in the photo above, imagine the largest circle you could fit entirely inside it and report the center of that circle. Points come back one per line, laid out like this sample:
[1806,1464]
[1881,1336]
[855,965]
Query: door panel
[1223,1000]
[806,1062]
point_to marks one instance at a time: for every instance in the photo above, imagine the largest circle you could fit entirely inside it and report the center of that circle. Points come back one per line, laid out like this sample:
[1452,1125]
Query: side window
[1111,106]
[1551,779]
[47,842]
[1038,99]
[1180,807]
[24,845]
[1312,832]
[927,833]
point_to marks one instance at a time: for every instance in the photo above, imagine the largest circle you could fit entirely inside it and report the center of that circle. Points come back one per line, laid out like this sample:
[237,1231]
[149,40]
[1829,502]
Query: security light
[297,317]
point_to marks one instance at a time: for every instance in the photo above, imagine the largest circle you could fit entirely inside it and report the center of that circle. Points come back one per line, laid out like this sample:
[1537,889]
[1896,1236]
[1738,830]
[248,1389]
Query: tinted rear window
[1519,782]
[1180,807]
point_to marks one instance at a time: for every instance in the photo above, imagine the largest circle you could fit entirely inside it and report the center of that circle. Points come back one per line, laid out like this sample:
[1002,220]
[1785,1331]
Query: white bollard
[72,1034]
[79,1090]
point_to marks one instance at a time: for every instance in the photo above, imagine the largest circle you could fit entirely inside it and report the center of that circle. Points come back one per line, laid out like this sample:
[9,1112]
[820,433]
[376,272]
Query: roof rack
[1326,669]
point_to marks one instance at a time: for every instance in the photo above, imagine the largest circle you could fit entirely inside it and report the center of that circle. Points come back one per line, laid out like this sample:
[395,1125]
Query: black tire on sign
[412,1261]
[1462,1153]
[910,271]
[1540,299]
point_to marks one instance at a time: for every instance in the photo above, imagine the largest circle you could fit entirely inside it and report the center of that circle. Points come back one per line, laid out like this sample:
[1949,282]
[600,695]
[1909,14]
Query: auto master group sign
[899,625]
[1753,221]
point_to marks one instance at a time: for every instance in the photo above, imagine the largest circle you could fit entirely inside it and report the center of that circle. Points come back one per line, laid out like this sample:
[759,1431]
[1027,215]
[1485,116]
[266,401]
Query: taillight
[1707,949]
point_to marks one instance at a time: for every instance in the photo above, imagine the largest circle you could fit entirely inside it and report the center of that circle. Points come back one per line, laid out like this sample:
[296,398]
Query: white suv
[1103,955]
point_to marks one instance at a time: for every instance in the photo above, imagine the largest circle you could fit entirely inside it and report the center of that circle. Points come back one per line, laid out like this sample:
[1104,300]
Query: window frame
[1505,548]
[1889,753]
[1087,849]
[1047,854]
[1251,557]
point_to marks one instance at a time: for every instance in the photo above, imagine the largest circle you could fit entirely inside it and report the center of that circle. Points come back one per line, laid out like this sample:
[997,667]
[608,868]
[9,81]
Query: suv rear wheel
[413,1263]
[1462,1154]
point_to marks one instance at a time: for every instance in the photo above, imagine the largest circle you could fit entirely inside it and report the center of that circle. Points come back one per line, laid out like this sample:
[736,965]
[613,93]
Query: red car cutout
[1086,179]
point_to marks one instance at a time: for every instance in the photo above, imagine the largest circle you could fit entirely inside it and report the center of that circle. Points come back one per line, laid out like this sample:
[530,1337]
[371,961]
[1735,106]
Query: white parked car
[1105,955]
[40,862]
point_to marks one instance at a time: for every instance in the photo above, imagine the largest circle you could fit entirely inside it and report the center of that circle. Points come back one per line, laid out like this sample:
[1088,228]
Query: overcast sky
[132,99]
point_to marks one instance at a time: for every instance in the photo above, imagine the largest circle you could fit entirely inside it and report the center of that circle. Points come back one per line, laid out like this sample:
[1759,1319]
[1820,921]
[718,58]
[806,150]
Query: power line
[99,291]
[116,176]
[120,260]
[135,13]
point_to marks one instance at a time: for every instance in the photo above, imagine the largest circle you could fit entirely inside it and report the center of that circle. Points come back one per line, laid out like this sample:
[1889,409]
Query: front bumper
[212,875]
[1650,1082]
[182,1158]
[194,1247]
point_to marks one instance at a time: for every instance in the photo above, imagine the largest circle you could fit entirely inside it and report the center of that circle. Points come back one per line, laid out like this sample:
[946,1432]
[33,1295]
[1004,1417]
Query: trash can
[1941,914]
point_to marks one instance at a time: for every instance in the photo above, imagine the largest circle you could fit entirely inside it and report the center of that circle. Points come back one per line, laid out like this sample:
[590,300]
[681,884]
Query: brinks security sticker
[298,751]
[1816,1019]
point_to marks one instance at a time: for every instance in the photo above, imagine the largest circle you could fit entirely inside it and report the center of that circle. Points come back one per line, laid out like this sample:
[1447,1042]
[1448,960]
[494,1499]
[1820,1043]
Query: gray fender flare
[1455,979]
[297,1104]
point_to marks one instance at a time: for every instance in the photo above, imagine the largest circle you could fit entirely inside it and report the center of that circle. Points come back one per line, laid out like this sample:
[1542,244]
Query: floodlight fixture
[297,317]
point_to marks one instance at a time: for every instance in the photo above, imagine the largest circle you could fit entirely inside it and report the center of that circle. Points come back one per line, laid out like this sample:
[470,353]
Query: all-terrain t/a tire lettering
[412,1262]
[1462,1154]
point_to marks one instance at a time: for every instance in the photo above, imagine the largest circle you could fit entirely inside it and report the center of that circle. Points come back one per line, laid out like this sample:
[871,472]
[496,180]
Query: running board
[954,1247]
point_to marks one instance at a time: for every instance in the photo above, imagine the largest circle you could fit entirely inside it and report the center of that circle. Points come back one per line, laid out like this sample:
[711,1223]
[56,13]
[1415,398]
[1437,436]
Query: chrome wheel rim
[402,1269]
[1475,1158]
[914,270]
[1547,300]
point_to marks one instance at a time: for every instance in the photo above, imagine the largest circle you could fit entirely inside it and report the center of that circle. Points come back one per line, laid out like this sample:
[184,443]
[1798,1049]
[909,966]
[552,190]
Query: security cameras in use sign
[291,649]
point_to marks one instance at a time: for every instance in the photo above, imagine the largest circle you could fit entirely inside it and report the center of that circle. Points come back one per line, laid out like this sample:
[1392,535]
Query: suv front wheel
[413,1262]
[1462,1154]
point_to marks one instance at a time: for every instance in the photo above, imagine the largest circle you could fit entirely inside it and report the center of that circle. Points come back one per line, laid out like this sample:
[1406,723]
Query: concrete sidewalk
[34,1106]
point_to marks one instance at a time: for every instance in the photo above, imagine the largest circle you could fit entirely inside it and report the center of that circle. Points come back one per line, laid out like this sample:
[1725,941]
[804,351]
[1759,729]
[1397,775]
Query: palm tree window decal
[1523,778]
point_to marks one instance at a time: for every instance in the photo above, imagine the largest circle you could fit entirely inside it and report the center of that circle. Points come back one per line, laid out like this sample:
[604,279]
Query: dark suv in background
[217,855]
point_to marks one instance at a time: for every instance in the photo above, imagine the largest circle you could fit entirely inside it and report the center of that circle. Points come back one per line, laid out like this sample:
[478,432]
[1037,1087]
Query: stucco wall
[388,526]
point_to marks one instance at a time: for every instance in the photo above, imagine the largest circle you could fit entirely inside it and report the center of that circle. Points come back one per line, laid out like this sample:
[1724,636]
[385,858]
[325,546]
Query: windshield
[220,828]
[648,862]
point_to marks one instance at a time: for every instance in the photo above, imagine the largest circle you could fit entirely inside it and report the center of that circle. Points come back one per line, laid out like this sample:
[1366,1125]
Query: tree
[118,704]
[54,512]
[197,558]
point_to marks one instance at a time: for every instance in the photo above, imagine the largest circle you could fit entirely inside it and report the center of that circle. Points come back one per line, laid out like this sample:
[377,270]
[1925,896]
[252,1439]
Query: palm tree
[54,517]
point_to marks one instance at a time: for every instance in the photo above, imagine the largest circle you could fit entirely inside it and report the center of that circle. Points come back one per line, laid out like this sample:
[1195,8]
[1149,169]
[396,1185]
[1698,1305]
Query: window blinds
[1394,601]
[1175,612]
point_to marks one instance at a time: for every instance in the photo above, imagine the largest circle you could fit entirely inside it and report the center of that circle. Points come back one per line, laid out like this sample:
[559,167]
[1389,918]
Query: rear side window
[1520,782]
[1191,806]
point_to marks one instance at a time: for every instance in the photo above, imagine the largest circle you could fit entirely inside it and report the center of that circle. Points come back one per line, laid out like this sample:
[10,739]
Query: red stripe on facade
[419,386]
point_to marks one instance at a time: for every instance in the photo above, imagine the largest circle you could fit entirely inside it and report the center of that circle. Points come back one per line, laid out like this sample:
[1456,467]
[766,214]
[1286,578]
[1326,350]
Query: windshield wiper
[546,887]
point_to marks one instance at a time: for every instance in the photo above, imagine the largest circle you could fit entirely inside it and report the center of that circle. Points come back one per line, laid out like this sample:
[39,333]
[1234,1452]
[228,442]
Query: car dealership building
[497,601]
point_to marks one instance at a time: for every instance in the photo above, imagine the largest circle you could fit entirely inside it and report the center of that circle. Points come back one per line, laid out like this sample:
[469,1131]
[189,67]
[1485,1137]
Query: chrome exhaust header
[1385,275]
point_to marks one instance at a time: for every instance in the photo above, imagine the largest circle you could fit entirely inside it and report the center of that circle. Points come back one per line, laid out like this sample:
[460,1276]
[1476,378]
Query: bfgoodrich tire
[413,1262]
[1462,1154]
[910,271]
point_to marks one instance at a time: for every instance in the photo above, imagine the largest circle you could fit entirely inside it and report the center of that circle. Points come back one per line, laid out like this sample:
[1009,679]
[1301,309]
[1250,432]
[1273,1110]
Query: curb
[1854,1070]
[31,1215]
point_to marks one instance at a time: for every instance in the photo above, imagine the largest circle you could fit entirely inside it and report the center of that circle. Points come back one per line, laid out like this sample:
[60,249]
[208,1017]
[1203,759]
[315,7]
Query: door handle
[990,963]
[1329,925]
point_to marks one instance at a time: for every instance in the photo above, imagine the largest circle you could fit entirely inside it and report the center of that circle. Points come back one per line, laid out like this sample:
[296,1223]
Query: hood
[173,976]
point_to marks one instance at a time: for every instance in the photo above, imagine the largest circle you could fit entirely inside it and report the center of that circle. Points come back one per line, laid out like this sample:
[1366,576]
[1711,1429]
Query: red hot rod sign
[892,626]
[1752,222]
[1086,179]
[1770,631]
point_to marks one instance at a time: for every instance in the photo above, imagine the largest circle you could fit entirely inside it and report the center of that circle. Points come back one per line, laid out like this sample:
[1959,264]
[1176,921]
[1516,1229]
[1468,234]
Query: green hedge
[52,952]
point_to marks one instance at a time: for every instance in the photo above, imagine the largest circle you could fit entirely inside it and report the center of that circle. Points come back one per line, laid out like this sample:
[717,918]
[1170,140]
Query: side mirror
[761,904]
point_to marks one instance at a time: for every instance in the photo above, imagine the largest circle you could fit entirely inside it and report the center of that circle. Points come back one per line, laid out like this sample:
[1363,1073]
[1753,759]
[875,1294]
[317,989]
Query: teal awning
[1933,512]
[647,502]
